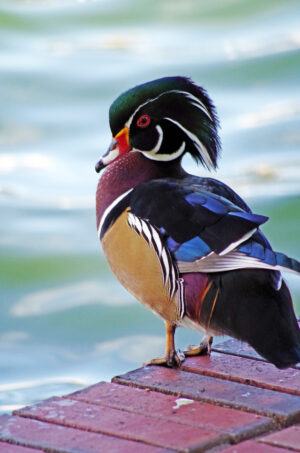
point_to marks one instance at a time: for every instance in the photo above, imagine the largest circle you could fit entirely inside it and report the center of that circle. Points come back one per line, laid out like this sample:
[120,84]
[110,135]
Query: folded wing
[206,232]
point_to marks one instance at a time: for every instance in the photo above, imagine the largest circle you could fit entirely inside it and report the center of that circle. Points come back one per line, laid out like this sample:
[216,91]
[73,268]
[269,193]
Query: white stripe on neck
[109,209]
[198,144]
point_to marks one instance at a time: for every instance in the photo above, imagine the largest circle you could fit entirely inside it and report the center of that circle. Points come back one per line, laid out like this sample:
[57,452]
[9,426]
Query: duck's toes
[172,360]
[203,349]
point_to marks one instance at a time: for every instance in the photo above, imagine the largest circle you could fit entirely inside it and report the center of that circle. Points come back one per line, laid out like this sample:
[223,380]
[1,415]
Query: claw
[172,360]
[203,349]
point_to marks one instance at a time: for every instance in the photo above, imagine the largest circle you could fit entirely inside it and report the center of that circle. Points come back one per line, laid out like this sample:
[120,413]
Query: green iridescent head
[164,119]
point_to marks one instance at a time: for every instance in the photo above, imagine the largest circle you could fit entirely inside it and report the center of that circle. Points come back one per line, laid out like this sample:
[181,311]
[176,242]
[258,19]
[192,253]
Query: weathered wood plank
[251,446]
[238,348]
[57,438]
[13,448]
[287,438]
[128,425]
[232,422]
[247,371]
[232,397]
[284,407]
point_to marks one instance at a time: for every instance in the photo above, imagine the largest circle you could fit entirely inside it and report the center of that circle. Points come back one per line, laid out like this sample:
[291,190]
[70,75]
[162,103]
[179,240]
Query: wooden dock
[230,402]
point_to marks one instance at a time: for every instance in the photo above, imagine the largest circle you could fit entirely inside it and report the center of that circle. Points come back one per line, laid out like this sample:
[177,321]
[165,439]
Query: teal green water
[64,320]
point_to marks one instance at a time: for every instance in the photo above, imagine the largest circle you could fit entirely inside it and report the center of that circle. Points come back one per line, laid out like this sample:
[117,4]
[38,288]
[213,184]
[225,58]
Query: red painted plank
[205,388]
[12,448]
[251,446]
[288,438]
[235,347]
[247,371]
[120,423]
[236,423]
[56,438]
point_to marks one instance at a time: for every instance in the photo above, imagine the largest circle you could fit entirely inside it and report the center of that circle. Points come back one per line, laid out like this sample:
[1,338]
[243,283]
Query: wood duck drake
[187,247]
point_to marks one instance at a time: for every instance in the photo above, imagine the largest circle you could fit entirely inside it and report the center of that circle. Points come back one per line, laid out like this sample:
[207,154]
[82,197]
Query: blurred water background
[64,320]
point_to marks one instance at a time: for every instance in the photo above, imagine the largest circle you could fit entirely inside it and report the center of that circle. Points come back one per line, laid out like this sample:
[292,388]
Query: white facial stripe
[129,121]
[165,157]
[158,144]
[196,102]
[109,208]
[159,141]
[199,145]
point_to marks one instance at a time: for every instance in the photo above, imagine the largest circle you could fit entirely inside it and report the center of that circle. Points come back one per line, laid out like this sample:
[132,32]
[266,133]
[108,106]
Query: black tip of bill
[99,166]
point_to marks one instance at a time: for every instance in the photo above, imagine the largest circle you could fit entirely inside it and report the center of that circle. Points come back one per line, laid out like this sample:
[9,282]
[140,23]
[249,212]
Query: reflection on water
[64,320]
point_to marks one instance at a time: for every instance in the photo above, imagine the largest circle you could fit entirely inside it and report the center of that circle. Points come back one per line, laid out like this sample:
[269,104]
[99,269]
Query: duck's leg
[203,349]
[171,359]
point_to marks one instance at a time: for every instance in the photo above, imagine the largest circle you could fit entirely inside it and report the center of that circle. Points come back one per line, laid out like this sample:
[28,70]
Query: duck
[188,247]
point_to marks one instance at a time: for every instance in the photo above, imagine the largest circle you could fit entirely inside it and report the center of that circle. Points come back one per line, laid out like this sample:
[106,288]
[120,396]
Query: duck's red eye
[143,121]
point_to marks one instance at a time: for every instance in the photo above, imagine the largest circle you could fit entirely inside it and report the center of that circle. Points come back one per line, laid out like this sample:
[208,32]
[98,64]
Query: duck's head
[164,119]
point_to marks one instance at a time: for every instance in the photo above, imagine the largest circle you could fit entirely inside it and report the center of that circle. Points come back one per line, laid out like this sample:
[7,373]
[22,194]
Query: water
[64,320]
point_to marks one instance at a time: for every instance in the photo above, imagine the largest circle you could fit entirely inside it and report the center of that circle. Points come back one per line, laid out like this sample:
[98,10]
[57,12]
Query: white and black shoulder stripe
[112,212]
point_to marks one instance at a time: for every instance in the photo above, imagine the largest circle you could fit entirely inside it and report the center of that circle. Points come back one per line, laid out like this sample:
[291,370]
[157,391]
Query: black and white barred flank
[170,271]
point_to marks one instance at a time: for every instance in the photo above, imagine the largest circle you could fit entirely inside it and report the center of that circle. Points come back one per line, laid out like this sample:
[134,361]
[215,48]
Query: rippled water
[64,320]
